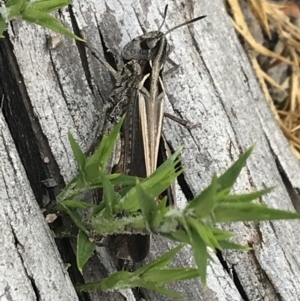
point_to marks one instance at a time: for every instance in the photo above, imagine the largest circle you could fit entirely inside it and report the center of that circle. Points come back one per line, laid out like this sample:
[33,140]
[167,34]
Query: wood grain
[66,89]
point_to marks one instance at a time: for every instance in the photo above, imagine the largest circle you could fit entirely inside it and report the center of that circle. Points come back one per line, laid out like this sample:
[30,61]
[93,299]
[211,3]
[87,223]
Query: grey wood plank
[215,85]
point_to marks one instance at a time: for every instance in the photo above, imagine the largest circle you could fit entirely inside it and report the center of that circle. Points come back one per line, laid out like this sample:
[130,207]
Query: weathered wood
[66,88]
[30,265]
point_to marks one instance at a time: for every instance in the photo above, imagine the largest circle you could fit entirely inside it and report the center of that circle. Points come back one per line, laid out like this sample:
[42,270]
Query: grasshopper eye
[152,42]
[149,43]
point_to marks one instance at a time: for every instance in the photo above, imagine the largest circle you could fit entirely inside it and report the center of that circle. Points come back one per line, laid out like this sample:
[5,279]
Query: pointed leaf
[200,254]
[67,191]
[226,244]
[170,275]
[106,147]
[14,8]
[248,197]
[153,186]
[49,5]
[45,20]
[199,250]
[75,218]
[174,157]
[241,212]
[160,262]
[74,191]
[85,249]
[2,27]
[111,198]
[94,178]
[121,280]
[118,280]
[123,180]
[78,153]
[204,232]
[74,204]
[204,202]
[221,234]
[124,280]
[229,177]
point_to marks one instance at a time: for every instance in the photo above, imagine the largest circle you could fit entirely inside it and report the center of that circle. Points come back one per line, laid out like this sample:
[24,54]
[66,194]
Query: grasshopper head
[145,47]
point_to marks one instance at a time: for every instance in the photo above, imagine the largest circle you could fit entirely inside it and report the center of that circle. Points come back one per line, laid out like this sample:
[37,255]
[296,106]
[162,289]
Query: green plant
[193,225]
[37,12]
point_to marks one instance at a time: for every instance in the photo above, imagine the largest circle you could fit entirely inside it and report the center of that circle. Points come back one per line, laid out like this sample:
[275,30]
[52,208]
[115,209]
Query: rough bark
[48,92]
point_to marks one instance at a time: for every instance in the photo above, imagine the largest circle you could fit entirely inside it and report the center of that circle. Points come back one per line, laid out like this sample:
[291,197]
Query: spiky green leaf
[78,153]
[85,249]
[230,175]
[44,19]
[49,5]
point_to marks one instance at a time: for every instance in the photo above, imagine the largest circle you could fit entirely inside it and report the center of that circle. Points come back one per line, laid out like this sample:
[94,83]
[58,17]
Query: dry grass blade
[258,9]
[273,17]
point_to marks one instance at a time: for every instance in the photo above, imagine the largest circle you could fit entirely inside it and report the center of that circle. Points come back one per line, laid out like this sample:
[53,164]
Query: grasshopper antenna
[164,19]
[186,23]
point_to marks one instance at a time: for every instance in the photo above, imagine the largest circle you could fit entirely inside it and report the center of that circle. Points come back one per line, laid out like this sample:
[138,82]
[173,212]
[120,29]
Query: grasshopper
[139,91]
